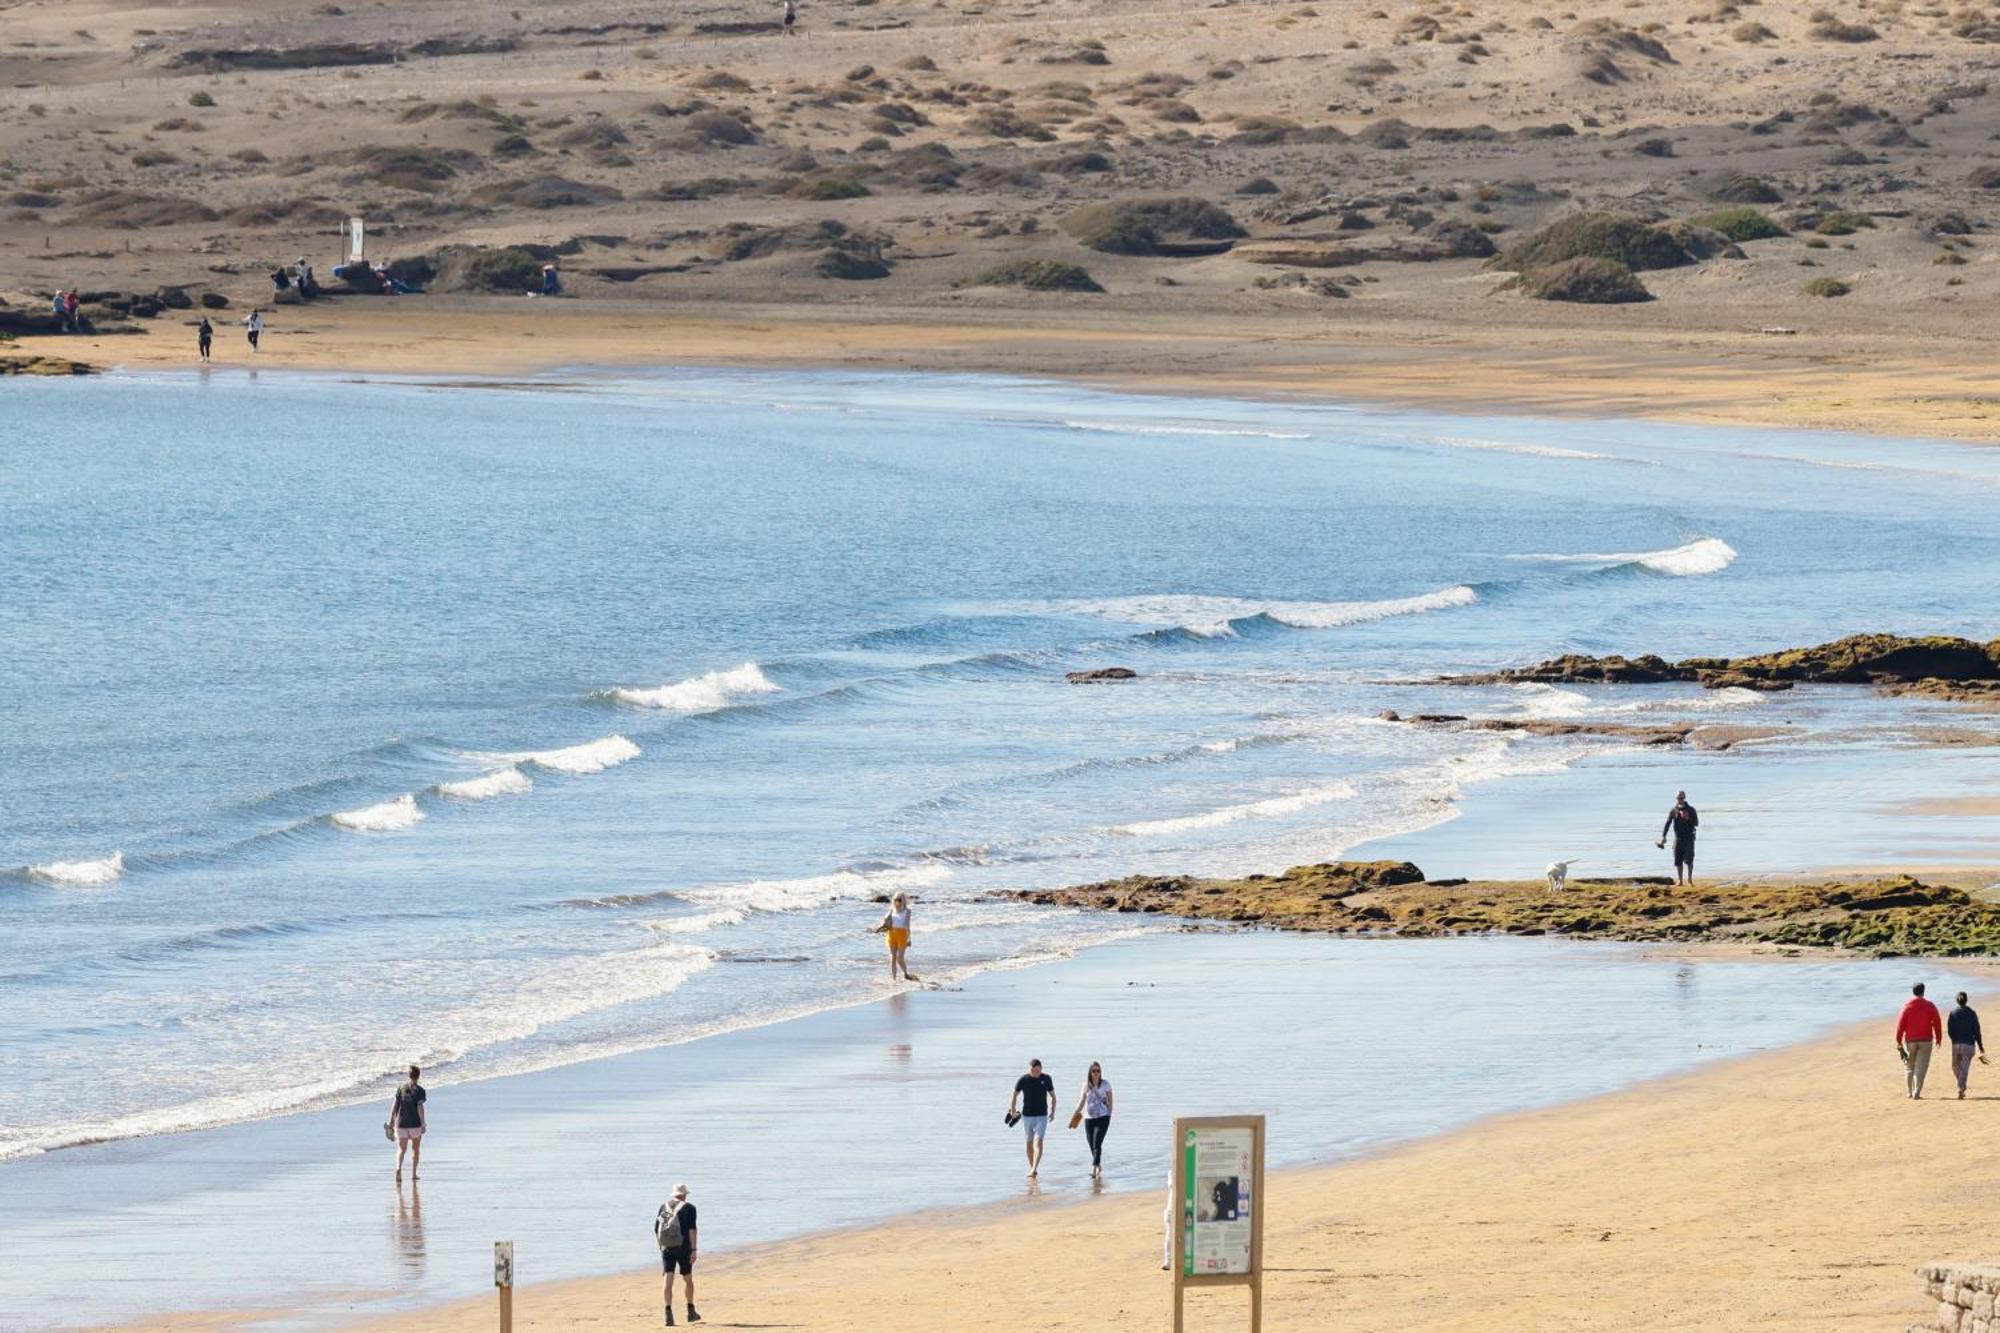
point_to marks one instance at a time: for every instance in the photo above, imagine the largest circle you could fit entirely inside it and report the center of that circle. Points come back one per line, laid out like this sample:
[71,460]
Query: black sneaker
[670,1316]
[694,1317]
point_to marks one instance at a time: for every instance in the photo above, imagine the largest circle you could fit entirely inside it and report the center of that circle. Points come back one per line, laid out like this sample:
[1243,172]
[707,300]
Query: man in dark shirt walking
[1962,1026]
[1034,1093]
[1682,821]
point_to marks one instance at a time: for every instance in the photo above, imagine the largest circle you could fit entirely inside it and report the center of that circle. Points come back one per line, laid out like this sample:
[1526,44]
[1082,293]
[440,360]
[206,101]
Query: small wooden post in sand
[1218,1204]
[503,1280]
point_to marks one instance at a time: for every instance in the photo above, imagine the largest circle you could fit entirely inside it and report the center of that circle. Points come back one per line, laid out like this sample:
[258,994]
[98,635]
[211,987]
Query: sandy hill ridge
[1830,169]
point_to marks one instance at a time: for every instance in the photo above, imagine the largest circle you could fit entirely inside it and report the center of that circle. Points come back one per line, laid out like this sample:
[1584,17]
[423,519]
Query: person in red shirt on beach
[1918,1029]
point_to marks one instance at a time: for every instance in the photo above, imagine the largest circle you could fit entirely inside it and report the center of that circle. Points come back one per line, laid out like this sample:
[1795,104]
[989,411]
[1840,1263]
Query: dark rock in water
[1096,674]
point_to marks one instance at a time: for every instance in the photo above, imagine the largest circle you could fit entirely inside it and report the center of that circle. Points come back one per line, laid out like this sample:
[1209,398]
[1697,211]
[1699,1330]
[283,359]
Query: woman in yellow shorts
[895,924]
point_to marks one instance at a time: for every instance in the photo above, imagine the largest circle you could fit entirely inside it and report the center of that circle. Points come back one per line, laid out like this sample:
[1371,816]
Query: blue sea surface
[498,726]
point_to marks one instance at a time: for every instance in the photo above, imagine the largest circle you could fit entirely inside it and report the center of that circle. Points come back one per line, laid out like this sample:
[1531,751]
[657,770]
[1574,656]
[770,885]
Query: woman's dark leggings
[1094,1130]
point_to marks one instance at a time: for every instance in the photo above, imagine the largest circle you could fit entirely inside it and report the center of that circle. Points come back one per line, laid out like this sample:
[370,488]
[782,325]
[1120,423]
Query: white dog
[1558,873]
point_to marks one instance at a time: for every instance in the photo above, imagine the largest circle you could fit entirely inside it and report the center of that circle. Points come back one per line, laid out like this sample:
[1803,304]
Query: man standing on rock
[1682,821]
[1918,1030]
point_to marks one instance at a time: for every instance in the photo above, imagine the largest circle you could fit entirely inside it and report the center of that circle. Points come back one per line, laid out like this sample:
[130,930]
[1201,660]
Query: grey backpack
[667,1227]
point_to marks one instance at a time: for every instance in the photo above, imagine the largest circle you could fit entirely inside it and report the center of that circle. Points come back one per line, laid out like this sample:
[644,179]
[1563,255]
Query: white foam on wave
[1269,808]
[513,1006]
[1710,701]
[698,694]
[509,781]
[802,894]
[1538,700]
[1212,616]
[400,812]
[1515,447]
[82,874]
[1157,428]
[589,757]
[1704,555]
[699,923]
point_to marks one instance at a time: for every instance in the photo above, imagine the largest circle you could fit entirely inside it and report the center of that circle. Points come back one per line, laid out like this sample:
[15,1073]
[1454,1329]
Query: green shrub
[1137,226]
[822,188]
[1815,243]
[1950,257]
[1587,280]
[1620,238]
[1741,224]
[200,99]
[1828,287]
[1843,222]
[1036,275]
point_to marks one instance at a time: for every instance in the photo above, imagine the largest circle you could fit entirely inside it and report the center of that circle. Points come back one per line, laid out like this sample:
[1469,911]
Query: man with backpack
[674,1229]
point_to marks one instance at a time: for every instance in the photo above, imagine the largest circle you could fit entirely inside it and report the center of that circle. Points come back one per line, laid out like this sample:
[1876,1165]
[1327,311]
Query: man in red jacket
[1918,1029]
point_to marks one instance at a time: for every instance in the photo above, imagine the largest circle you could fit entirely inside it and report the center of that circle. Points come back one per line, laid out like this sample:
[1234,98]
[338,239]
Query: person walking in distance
[1962,1026]
[895,924]
[1094,1108]
[205,335]
[1034,1092]
[1918,1029]
[791,18]
[253,324]
[407,1114]
[674,1229]
[1681,823]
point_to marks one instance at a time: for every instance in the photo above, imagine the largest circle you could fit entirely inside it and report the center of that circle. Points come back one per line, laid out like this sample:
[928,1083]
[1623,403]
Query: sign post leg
[506,1310]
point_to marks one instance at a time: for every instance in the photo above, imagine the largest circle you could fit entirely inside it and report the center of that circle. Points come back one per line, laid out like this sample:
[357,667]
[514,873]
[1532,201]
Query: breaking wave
[509,781]
[698,694]
[589,757]
[1268,808]
[1704,555]
[1213,617]
[82,874]
[401,812]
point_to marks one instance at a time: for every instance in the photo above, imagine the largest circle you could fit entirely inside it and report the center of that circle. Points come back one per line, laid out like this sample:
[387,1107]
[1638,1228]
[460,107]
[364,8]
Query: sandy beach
[1793,1190]
[1714,376]
[1246,197]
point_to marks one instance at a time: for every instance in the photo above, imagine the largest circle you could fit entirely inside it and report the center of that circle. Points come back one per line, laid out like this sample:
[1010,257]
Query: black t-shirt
[1037,1091]
[686,1214]
[409,1106]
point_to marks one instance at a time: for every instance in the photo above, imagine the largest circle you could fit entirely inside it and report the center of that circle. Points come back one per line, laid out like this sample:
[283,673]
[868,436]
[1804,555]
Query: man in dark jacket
[1682,821]
[1962,1026]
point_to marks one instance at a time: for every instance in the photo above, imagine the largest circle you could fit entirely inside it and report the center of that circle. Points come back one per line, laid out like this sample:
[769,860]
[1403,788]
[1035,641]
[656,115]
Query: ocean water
[499,726]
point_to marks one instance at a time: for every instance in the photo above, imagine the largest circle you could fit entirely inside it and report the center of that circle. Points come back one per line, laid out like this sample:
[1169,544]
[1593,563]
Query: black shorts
[1683,851]
[682,1258]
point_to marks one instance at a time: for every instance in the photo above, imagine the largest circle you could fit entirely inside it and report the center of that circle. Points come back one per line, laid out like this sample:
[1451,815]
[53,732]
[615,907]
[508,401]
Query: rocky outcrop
[1883,917]
[1698,735]
[1935,666]
[1097,675]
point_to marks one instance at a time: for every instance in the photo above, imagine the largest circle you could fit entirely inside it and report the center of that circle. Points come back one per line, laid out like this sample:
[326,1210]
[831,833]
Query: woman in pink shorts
[406,1115]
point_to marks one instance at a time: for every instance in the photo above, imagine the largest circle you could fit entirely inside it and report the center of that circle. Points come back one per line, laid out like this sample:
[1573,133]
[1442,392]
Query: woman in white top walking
[895,924]
[1094,1106]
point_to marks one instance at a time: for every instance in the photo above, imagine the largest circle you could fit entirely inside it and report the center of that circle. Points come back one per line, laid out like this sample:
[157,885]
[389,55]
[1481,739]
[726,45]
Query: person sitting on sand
[1682,821]
[674,1229]
[1094,1108]
[895,923]
[1034,1092]
[1917,1031]
[1962,1026]
[407,1114]
[204,336]
[70,303]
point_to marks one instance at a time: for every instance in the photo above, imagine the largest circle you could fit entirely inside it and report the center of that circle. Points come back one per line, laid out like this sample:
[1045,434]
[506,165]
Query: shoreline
[1338,1230]
[507,1169]
[499,1173]
[1805,382]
